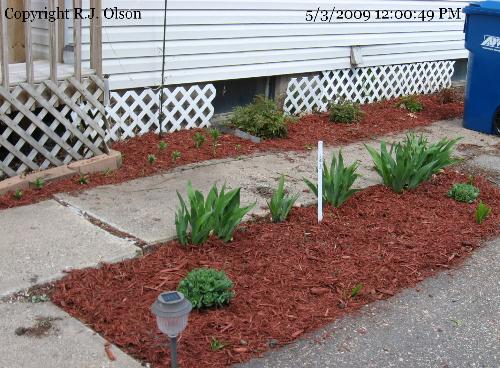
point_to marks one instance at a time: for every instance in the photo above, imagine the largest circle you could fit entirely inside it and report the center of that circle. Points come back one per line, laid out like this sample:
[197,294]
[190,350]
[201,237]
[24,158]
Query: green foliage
[281,204]
[345,112]
[337,181]
[198,139]
[175,156]
[216,345]
[410,103]
[215,135]
[162,146]
[406,165]
[356,290]
[482,212]
[18,194]
[219,213]
[206,288]
[43,298]
[83,179]
[39,183]
[464,193]
[261,118]
[151,159]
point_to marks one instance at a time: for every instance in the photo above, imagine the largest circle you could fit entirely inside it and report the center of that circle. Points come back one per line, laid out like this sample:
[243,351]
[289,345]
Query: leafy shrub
[83,179]
[215,134]
[198,139]
[151,159]
[18,194]
[206,288]
[39,183]
[410,103]
[162,145]
[175,156]
[406,165]
[281,204]
[261,118]
[482,212]
[337,181]
[464,193]
[220,213]
[345,112]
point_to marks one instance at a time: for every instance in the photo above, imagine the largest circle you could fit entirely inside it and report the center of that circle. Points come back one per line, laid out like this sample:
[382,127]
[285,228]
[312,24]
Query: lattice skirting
[36,128]
[366,84]
[134,113]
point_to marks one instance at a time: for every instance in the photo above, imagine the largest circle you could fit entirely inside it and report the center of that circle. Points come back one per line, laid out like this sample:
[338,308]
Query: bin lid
[484,7]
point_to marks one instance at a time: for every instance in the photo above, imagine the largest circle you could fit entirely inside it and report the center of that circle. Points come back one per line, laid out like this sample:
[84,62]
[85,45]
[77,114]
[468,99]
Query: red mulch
[380,118]
[290,278]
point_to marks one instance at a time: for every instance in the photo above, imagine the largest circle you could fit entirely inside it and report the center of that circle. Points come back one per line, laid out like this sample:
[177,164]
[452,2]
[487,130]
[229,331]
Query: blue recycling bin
[482,39]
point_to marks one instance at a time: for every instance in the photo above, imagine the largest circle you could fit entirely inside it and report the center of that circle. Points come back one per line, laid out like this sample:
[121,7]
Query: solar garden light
[172,309]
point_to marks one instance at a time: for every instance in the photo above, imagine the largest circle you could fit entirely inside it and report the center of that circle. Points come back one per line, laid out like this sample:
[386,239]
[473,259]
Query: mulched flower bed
[290,278]
[380,118]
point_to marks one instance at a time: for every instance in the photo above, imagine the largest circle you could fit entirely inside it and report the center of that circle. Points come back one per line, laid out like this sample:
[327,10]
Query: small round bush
[410,103]
[467,193]
[345,112]
[206,288]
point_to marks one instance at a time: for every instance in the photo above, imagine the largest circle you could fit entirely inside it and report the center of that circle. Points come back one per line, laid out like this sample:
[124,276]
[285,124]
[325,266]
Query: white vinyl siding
[211,40]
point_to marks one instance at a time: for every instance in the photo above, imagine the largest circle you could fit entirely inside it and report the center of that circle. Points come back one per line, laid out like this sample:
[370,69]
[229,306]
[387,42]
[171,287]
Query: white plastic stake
[320,181]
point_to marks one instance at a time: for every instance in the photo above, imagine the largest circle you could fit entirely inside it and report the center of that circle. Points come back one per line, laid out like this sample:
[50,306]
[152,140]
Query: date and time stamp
[333,15]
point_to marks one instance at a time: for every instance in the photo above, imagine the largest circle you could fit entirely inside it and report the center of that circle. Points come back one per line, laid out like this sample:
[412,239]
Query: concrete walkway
[39,242]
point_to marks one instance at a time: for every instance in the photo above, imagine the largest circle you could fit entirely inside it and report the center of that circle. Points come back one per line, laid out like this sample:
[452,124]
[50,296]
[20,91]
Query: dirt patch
[290,278]
[379,119]
[43,327]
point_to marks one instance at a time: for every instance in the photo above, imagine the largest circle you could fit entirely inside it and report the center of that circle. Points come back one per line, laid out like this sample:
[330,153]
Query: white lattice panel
[36,128]
[134,113]
[367,84]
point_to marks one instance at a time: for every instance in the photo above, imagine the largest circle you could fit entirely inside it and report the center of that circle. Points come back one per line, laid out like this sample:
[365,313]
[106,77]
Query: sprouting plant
[337,181]
[464,193]
[406,165]
[356,290]
[215,134]
[482,212]
[162,145]
[18,194]
[207,288]
[39,183]
[151,159]
[176,155]
[198,139]
[40,298]
[216,345]
[281,204]
[345,112]
[410,103]
[83,179]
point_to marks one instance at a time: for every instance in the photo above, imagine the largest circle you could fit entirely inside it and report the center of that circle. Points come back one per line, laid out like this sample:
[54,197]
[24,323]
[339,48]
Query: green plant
[345,112]
[40,298]
[356,290]
[151,159]
[175,156]
[198,139]
[220,213]
[216,345]
[18,194]
[162,145]
[281,204]
[83,179]
[482,212]
[406,165]
[410,103]
[206,288]
[337,181]
[464,193]
[215,135]
[261,118]
[39,183]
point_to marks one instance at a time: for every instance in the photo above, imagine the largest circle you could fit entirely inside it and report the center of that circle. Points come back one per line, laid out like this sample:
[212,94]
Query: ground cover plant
[464,192]
[207,288]
[483,211]
[380,118]
[261,118]
[289,278]
[337,181]
[281,203]
[406,165]
[345,112]
[410,103]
